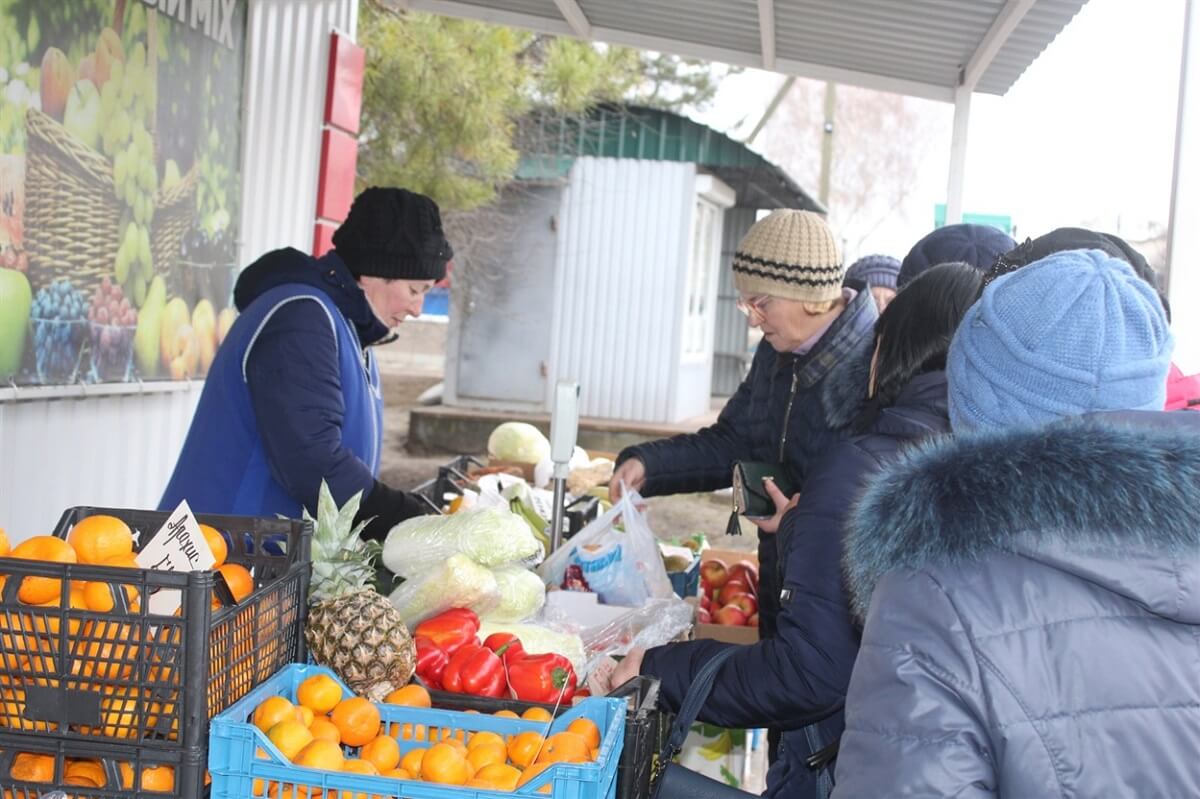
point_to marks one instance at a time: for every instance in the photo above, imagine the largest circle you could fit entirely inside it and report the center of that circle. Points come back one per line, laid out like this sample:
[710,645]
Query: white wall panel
[286,66]
[114,450]
[622,248]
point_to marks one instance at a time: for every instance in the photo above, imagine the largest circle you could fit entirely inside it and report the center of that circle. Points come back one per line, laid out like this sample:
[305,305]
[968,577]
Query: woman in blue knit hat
[1031,587]
[876,273]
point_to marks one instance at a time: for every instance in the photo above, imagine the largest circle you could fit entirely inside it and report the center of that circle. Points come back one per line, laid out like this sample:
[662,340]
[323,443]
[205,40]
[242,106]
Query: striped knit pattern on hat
[1074,333]
[789,254]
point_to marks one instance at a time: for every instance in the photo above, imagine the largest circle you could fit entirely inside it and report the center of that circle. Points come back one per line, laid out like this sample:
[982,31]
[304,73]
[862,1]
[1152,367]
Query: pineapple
[352,628]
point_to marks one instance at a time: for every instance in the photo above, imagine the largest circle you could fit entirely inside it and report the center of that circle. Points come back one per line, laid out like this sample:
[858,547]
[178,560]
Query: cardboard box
[722,632]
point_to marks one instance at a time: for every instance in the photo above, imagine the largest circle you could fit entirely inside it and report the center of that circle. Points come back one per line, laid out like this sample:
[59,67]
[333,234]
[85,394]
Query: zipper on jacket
[787,414]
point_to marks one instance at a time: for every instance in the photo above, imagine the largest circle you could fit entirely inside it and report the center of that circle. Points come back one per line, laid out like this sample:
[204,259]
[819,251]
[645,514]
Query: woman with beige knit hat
[805,385]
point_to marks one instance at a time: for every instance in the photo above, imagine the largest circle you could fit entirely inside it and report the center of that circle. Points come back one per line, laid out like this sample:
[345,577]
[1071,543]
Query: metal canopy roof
[551,142]
[925,48]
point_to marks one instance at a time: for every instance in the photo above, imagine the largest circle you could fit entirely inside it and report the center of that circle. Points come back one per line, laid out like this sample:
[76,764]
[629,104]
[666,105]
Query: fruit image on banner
[120,145]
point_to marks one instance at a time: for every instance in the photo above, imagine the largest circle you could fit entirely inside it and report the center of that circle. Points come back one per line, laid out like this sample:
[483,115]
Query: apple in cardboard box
[746,603]
[714,573]
[752,621]
[744,570]
[703,616]
[730,616]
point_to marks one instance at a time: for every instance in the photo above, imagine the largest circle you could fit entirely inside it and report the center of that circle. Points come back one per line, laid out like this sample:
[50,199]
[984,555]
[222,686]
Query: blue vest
[223,468]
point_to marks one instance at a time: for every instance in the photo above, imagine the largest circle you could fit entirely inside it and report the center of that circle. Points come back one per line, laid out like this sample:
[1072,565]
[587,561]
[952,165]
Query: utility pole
[827,142]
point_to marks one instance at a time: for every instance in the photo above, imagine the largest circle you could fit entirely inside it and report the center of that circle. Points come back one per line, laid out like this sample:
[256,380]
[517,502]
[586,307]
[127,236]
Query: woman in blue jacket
[1032,586]
[797,680]
[293,397]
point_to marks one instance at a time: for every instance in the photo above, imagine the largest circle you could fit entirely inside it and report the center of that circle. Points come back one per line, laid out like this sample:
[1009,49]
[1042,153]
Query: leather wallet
[750,497]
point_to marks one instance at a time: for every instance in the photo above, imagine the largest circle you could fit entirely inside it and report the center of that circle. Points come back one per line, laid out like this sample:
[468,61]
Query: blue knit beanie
[1075,332]
[875,270]
[977,245]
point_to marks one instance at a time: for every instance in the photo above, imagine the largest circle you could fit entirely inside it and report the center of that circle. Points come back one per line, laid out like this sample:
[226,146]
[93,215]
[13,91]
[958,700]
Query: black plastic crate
[134,680]
[115,764]
[646,728]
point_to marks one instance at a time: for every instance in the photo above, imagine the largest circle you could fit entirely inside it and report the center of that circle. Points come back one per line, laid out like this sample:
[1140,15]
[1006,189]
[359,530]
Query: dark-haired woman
[797,681]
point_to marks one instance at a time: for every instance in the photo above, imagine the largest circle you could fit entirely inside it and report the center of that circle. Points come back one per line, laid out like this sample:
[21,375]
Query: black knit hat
[977,245]
[393,233]
[1074,238]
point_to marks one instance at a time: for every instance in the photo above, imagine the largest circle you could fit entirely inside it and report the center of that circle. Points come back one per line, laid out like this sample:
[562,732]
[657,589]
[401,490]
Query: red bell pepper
[431,662]
[506,645]
[452,676]
[483,674]
[545,678]
[450,630]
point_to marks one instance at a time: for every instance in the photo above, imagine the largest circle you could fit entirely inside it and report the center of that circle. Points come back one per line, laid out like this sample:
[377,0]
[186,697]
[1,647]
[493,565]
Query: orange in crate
[383,753]
[411,695]
[216,543]
[31,767]
[531,772]
[273,710]
[39,590]
[290,737]
[319,692]
[239,580]
[357,720]
[564,747]
[98,538]
[588,730]
[322,727]
[445,765]
[498,777]
[85,774]
[523,748]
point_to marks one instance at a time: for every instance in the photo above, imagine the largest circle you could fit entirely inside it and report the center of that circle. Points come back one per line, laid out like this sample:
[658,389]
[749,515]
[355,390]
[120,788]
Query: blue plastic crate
[234,740]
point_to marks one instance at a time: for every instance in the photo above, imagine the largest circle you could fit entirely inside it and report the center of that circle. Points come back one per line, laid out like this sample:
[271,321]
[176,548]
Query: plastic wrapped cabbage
[458,582]
[522,595]
[518,442]
[489,536]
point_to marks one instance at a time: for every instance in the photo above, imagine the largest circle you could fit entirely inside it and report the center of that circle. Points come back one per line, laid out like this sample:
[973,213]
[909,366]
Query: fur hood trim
[1084,482]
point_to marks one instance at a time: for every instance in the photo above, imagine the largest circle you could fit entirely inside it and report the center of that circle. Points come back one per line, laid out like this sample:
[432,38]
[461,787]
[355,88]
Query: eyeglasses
[753,306]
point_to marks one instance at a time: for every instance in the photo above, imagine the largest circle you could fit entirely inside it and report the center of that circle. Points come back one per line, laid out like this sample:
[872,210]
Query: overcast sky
[1085,137]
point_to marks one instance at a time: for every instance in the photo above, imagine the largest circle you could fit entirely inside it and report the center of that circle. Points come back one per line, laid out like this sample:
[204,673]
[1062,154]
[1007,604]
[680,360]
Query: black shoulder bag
[676,781]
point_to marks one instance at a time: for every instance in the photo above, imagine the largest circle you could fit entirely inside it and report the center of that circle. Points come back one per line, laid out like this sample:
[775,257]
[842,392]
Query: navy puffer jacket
[790,408]
[797,680]
[1034,616]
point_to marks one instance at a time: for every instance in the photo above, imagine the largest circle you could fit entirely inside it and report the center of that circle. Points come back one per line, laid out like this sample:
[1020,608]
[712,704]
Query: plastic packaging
[618,555]
[458,582]
[538,639]
[489,536]
[522,595]
[658,622]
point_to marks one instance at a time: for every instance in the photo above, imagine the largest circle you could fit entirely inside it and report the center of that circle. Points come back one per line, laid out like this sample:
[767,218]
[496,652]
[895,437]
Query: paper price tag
[178,546]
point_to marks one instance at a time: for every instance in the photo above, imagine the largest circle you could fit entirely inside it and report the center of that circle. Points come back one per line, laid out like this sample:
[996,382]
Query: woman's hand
[782,506]
[629,667]
[632,473]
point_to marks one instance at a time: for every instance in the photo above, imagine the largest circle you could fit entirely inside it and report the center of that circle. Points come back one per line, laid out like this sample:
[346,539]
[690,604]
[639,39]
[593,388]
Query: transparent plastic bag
[522,595]
[618,555]
[658,622]
[457,582]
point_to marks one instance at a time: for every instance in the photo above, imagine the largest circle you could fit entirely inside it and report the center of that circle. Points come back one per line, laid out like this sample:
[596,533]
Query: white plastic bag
[618,555]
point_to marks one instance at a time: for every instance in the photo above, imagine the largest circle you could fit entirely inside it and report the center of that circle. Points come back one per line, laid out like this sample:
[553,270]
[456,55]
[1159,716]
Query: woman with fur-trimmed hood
[1032,587]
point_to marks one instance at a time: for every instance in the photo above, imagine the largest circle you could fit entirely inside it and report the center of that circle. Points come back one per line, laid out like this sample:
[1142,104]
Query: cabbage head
[518,442]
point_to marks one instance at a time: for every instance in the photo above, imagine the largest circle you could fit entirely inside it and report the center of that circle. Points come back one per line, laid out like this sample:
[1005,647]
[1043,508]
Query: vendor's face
[785,323]
[393,301]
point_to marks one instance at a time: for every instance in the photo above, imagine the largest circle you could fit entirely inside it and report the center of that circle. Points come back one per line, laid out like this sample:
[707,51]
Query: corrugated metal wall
[120,450]
[622,254]
[286,66]
[103,450]
[729,346]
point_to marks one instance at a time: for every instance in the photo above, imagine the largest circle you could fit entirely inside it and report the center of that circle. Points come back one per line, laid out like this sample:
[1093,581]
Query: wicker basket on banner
[72,214]
[173,215]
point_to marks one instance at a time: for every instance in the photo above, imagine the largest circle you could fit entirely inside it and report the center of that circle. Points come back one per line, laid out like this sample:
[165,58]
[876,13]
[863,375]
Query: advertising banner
[120,126]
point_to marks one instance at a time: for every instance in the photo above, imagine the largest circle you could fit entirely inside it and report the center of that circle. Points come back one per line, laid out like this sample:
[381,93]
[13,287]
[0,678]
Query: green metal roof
[550,143]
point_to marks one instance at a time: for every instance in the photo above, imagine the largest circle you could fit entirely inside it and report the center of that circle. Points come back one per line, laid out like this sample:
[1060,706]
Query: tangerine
[506,714]
[239,580]
[487,755]
[98,596]
[158,778]
[445,765]
[85,774]
[31,767]
[588,729]
[411,695]
[321,754]
[357,720]
[398,774]
[39,590]
[411,762]
[322,727]
[271,711]
[533,771]
[290,737]
[97,538]
[484,737]
[537,714]
[565,747]
[523,748]
[305,715]
[216,543]
[383,753]
[320,692]
[496,777]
